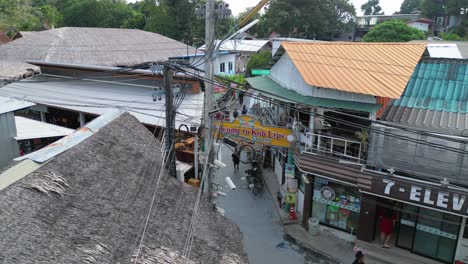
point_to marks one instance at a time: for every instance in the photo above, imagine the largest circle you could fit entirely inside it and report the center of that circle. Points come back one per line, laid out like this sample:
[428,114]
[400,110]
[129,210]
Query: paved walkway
[264,239]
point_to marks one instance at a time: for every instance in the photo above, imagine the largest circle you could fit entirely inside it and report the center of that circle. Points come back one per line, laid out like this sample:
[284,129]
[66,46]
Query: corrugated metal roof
[27,128]
[444,50]
[449,123]
[98,96]
[73,139]
[17,172]
[438,84]
[266,85]
[241,45]
[379,69]
[10,104]
[436,98]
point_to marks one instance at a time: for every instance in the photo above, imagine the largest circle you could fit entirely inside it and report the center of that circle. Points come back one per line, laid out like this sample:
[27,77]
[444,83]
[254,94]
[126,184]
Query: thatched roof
[16,70]
[93,46]
[88,205]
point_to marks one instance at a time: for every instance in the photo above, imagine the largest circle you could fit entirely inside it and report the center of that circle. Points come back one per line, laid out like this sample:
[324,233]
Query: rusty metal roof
[379,69]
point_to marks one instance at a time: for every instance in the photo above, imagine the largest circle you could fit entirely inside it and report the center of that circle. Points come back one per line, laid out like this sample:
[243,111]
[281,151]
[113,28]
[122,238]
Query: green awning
[267,86]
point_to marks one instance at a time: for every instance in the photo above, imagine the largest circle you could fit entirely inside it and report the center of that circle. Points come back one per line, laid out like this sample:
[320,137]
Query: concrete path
[264,239]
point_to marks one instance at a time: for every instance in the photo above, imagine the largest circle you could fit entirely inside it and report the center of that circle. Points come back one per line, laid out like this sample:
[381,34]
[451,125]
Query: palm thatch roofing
[93,46]
[89,205]
[10,70]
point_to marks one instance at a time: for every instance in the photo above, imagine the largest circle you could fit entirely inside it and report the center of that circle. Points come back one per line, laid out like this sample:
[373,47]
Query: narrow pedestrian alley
[264,238]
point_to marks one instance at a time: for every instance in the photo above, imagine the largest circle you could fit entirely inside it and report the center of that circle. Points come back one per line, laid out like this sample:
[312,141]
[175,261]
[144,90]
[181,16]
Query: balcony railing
[328,145]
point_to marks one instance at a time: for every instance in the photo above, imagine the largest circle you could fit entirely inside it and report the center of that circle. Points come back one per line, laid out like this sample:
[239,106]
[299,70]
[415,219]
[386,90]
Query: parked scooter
[254,178]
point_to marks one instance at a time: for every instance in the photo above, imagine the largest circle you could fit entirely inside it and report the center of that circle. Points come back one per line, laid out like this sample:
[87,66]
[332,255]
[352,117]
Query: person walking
[387,224]
[244,110]
[241,98]
[235,160]
[235,114]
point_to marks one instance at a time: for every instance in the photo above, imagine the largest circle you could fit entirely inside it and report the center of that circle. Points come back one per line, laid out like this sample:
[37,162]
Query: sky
[388,6]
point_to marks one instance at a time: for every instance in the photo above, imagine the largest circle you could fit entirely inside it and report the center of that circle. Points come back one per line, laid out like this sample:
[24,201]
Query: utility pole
[209,55]
[170,121]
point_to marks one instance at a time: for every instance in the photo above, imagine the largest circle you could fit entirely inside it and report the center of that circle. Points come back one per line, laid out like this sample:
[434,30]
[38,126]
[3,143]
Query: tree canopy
[393,31]
[306,18]
[259,60]
[372,7]
[410,6]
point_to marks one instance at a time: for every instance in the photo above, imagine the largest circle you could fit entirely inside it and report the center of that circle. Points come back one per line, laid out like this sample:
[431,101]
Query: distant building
[244,49]
[421,24]
[365,23]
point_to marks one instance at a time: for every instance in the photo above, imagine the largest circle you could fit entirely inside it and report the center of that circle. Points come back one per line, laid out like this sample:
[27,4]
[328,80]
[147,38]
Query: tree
[450,36]
[259,60]
[372,7]
[410,6]
[393,31]
[307,18]
[50,15]
[433,8]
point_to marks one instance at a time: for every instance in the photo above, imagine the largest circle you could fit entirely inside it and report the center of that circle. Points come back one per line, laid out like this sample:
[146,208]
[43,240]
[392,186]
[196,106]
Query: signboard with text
[248,128]
[437,197]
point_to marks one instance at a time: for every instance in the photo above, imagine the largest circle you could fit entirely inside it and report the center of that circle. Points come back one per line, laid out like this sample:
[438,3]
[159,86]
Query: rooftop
[241,45]
[94,46]
[10,105]
[435,98]
[87,204]
[98,96]
[378,69]
[27,128]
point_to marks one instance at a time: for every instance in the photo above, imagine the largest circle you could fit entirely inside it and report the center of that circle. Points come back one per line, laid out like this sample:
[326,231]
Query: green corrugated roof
[266,85]
[17,172]
[438,85]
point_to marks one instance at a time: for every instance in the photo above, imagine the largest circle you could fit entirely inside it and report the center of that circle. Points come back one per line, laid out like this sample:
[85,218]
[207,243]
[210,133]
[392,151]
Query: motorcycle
[254,178]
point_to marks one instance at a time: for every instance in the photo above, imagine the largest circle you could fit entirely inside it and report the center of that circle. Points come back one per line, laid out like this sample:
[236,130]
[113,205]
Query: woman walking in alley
[235,160]
[387,224]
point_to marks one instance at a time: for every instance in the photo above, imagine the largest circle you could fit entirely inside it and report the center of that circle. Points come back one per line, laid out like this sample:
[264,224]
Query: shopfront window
[336,205]
[436,234]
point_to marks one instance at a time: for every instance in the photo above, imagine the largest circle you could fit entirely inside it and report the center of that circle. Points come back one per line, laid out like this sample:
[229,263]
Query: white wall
[222,58]
[285,73]
[420,26]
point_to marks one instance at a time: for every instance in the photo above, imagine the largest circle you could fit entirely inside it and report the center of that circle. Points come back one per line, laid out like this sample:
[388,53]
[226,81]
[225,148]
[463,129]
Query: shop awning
[267,86]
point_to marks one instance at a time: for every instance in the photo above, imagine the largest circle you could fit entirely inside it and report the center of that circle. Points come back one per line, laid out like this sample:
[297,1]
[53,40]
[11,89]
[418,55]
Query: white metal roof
[241,45]
[10,104]
[97,97]
[27,128]
[73,139]
[444,50]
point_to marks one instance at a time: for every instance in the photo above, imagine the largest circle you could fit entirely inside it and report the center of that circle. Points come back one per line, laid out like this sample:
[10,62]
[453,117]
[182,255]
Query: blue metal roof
[437,84]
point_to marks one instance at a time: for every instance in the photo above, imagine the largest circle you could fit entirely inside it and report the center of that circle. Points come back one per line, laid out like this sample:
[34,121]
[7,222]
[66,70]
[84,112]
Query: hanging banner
[248,128]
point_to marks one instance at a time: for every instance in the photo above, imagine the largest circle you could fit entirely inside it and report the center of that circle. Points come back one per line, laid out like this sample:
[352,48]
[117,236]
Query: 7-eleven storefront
[431,220]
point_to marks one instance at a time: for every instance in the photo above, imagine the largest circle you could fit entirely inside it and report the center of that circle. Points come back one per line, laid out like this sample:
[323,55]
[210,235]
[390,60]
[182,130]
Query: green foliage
[235,78]
[433,8]
[259,60]
[410,6]
[50,15]
[393,31]
[306,18]
[372,7]
[450,36]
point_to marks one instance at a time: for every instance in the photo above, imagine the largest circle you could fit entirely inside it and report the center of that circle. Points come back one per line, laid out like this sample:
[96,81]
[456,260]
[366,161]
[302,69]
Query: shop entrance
[387,222]
[422,231]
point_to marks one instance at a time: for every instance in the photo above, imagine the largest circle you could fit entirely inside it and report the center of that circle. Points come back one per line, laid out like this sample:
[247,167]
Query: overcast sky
[388,6]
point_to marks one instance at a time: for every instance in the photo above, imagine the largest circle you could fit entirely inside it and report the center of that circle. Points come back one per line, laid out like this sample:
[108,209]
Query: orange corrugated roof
[379,69]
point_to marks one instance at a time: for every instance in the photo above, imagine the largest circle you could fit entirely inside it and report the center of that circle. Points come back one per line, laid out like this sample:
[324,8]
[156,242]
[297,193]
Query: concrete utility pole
[170,121]
[209,68]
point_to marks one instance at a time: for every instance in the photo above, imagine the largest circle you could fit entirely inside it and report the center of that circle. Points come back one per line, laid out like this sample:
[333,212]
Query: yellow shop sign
[248,128]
